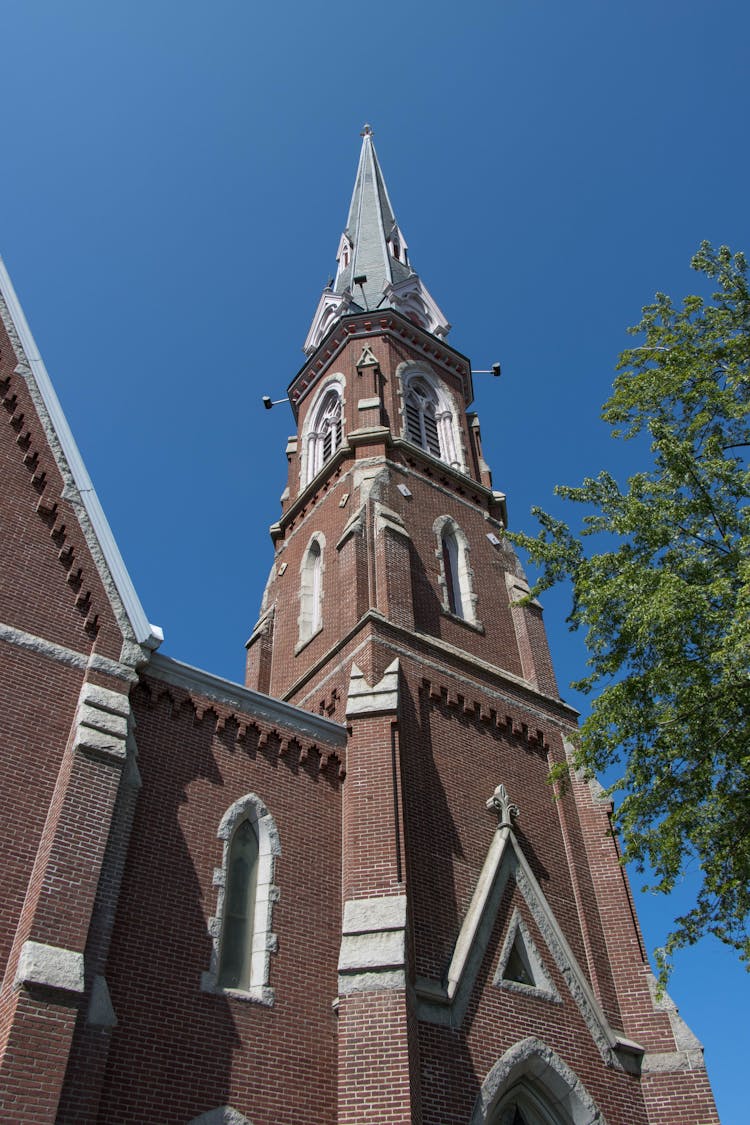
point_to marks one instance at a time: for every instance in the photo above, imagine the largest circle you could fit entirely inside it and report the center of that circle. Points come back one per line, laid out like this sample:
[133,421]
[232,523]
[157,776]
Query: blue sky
[175,178]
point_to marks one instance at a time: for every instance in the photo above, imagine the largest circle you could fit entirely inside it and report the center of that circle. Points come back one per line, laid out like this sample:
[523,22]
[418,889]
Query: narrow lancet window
[311,590]
[239,908]
[456,576]
[451,564]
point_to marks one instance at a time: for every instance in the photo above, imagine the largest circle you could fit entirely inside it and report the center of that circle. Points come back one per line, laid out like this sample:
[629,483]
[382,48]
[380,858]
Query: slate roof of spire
[373,260]
[373,234]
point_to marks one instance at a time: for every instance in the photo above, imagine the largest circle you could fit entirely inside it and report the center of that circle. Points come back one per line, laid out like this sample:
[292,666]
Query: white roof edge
[145,634]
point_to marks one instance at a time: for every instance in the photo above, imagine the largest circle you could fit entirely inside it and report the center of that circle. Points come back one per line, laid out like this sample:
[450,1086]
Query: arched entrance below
[531,1085]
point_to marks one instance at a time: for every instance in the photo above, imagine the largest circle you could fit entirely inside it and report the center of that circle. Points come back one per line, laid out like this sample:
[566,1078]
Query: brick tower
[341,894]
[491,968]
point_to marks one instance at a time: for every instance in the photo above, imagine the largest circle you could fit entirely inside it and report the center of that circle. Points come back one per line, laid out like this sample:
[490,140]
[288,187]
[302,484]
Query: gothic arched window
[451,564]
[455,572]
[429,417]
[421,416]
[324,432]
[242,941]
[311,589]
[239,908]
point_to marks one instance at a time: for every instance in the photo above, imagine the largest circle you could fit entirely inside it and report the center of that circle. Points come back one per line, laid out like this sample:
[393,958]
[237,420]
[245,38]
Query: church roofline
[276,711]
[145,633]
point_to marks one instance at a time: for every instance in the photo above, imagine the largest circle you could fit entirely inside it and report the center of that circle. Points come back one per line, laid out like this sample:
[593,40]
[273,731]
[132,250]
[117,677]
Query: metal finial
[367,131]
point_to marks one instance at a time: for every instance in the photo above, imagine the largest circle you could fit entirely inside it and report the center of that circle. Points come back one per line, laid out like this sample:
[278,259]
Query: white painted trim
[145,634]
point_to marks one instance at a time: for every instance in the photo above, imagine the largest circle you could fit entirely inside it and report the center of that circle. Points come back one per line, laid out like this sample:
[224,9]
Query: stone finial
[367,131]
[505,809]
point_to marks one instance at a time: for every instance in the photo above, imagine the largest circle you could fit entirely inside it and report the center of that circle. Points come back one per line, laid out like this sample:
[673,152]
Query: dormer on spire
[374,271]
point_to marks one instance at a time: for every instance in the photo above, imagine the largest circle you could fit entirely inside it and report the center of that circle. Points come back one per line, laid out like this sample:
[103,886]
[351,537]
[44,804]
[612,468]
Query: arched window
[241,930]
[451,563]
[421,421]
[531,1085]
[311,589]
[239,908]
[429,417]
[456,576]
[324,432]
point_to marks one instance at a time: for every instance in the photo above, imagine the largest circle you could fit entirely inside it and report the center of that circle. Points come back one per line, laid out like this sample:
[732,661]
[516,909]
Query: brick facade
[396,730]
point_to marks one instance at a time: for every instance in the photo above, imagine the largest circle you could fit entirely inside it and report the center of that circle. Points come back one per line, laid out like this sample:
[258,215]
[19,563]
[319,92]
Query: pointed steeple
[374,271]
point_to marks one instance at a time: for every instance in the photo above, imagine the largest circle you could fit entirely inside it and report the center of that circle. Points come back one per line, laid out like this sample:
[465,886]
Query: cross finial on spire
[367,131]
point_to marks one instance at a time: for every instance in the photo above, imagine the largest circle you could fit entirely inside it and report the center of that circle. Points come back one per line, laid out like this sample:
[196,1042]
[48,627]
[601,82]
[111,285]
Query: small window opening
[316,584]
[451,564]
[518,968]
[239,909]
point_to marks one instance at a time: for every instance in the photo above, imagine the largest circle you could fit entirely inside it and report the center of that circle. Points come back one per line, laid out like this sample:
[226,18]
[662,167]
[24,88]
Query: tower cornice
[424,345]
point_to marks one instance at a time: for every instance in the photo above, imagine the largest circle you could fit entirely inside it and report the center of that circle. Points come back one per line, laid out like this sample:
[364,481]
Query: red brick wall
[178,1051]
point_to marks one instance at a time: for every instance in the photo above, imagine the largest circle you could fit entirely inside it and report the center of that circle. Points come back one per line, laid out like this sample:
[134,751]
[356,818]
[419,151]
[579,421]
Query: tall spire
[374,271]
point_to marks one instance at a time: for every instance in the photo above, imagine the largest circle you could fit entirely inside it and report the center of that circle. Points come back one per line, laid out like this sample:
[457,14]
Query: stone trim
[41,646]
[544,988]
[223,1115]
[364,699]
[531,1060]
[50,966]
[446,1004]
[373,945]
[446,525]
[264,941]
[557,717]
[689,1052]
[101,724]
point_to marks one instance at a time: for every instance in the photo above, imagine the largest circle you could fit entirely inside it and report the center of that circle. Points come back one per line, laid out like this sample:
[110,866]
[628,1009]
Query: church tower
[491,967]
[342,893]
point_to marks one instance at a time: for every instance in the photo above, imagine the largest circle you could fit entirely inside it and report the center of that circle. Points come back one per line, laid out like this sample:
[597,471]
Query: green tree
[660,572]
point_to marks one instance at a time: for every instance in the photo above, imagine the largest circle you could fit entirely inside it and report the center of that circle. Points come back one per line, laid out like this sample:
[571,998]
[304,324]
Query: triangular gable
[447,1003]
[78,488]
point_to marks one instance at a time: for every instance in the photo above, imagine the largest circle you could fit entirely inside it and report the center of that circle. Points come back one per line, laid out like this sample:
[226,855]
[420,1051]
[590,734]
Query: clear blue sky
[175,178]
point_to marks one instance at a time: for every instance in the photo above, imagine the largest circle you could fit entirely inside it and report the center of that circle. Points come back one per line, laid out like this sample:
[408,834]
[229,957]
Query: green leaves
[660,572]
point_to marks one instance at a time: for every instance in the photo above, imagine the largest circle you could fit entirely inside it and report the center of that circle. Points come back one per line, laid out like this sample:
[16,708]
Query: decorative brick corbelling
[238,702]
[139,637]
